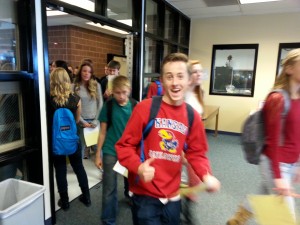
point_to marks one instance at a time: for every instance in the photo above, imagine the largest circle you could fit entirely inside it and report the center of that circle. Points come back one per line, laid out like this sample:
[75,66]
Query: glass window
[170,25]
[11,116]
[150,55]
[151,17]
[120,11]
[9,58]
[184,30]
[85,4]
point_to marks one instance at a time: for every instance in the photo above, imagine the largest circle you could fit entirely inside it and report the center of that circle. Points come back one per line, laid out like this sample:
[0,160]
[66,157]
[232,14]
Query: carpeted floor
[238,179]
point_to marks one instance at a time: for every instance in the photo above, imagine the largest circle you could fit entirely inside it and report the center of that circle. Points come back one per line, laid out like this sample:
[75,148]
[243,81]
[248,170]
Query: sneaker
[86,153]
[240,217]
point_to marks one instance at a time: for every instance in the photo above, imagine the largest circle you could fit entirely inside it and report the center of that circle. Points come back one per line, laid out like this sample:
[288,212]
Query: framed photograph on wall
[233,70]
[283,50]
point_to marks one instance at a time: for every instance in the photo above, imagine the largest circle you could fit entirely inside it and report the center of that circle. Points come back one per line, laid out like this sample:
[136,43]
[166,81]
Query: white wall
[267,31]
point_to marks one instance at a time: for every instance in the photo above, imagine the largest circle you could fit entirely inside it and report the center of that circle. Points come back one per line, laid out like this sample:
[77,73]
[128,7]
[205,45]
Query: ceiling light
[256,1]
[85,4]
[107,28]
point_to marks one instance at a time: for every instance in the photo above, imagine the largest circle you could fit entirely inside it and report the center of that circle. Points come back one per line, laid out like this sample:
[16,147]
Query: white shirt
[191,98]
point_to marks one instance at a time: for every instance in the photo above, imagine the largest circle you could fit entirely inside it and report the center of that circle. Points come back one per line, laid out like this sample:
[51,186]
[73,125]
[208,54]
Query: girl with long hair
[90,93]
[62,96]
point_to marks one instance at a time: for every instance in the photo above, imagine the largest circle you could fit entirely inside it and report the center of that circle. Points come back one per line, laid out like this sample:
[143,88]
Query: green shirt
[119,118]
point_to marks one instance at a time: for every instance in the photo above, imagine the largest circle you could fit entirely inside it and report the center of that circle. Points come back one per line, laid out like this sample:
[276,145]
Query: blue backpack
[159,88]
[64,132]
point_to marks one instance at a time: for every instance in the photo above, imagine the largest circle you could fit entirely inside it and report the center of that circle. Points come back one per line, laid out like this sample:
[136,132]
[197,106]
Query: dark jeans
[60,166]
[147,210]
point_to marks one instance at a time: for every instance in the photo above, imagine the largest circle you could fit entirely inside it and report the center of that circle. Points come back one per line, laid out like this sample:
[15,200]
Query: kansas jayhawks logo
[168,142]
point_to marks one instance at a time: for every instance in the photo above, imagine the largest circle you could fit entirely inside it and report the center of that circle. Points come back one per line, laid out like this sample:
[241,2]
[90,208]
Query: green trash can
[21,203]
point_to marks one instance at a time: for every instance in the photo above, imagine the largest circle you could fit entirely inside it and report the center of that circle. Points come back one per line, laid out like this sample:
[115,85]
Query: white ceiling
[197,9]
[201,9]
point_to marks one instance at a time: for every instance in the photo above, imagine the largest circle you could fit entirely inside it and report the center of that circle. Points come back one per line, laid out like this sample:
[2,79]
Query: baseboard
[223,132]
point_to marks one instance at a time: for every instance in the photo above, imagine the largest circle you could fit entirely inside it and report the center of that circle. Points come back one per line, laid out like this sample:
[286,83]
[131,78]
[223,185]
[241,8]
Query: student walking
[62,96]
[154,182]
[113,119]
[91,99]
[194,97]
[279,162]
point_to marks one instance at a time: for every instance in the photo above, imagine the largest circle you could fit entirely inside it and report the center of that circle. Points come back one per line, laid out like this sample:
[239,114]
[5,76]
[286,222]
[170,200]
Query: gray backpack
[253,136]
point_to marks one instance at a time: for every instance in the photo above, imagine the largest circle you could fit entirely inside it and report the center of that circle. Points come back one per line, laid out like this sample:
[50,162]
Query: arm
[102,135]
[127,147]
[99,105]
[272,110]
[78,112]
[196,154]
[272,116]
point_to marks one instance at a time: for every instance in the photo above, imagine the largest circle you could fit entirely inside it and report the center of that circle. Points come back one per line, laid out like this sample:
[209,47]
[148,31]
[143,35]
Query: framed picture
[283,50]
[233,69]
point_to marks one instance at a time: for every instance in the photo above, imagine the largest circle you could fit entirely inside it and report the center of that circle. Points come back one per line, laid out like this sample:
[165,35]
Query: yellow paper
[271,210]
[91,135]
[192,190]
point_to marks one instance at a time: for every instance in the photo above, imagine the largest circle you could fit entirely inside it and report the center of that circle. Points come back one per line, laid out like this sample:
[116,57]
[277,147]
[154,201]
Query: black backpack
[253,132]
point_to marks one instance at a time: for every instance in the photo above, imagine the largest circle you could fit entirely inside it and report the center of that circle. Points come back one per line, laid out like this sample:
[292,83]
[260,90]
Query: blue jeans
[60,166]
[287,172]
[147,210]
[109,190]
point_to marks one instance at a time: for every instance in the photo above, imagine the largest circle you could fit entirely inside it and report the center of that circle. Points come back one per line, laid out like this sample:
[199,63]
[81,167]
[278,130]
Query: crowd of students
[155,160]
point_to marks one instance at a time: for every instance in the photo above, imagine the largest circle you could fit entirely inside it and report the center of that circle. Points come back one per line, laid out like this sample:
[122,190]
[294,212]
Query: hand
[146,171]
[282,187]
[212,183]
[85,124]
[98,161]
[297,176]
[107,93]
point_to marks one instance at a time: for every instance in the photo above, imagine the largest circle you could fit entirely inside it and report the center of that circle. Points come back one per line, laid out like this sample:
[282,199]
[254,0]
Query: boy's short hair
[174,57]
[114,64]
[120,82]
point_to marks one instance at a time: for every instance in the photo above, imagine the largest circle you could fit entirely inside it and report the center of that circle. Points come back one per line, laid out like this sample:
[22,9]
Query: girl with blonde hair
[62,96]
[90,93]
[194,97]
[279,162]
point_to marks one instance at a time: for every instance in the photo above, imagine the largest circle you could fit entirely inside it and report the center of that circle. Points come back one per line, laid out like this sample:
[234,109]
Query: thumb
[149,161]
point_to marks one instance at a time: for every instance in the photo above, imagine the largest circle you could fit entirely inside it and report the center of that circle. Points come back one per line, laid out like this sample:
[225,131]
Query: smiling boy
[155,182]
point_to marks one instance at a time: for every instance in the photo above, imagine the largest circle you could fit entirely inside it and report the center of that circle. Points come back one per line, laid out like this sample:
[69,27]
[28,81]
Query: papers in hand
[271,210]
[193,190]
[120,169]
[91,135]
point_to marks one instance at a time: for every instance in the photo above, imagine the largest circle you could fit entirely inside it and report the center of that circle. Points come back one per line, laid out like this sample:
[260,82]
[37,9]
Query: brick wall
[72,44]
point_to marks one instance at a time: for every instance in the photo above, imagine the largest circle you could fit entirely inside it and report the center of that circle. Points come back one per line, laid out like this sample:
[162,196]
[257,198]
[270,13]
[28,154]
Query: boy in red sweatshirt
[155,182]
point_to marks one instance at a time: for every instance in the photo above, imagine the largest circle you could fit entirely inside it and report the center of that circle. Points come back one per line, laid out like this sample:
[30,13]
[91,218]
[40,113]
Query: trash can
[21,203]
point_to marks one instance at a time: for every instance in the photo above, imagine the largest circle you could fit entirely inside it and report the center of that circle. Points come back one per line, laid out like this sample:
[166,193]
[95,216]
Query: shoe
[85,200]
[86,153]
[64,205]
[240,217]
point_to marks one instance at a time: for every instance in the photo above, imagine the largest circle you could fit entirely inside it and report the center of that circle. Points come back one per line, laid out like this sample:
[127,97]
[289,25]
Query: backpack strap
[155,105]
[109,105]
[190,112]
[159,87]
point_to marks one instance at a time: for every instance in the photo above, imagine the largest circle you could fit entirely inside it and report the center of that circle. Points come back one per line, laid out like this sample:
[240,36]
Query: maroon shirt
[287,149]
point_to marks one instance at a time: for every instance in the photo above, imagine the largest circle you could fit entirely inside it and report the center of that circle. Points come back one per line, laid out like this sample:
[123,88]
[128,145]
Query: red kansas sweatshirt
[164,143]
